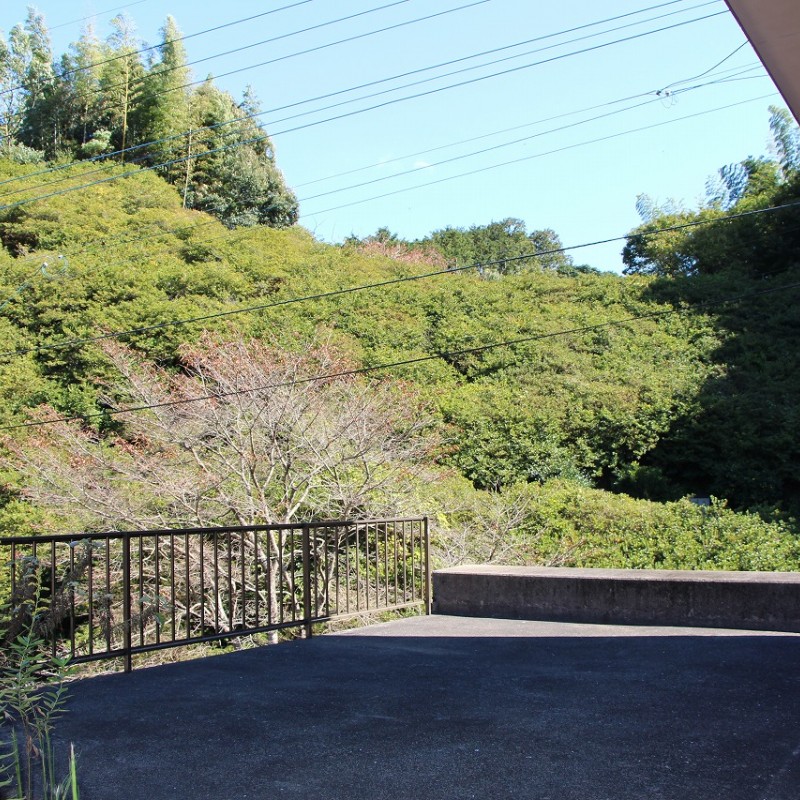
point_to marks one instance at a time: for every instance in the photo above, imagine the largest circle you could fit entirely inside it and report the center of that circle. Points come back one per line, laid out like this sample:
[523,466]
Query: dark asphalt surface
[454,708]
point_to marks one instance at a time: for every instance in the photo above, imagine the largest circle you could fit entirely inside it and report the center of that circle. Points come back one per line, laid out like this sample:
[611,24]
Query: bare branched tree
[261,445]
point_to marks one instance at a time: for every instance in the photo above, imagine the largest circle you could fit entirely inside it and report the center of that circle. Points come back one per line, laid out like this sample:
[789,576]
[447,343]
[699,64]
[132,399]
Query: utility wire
[443,354]
[710,69]
[77,342]
[382,30]
[185,228]
[169,41]
[279,38]
[482,136]
[474,67]
[536,155]
[161,231]
[105,169]
[264,137]
[244,117]
[92,16]
[240,119]
[492,148]
[492,75]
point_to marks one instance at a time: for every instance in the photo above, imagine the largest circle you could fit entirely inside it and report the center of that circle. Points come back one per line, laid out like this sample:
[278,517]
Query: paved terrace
[452,708]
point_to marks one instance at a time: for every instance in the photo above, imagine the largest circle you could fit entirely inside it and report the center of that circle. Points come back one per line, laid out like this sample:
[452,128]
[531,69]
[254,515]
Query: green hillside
[648,385]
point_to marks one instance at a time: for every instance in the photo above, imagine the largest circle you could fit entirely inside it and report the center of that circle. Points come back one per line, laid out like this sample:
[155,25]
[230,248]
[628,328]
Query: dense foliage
[500,248]
[553,388]
[738,437]
[117,100]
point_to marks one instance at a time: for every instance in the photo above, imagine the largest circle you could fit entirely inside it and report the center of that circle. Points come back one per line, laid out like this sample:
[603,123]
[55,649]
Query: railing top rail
[103,535]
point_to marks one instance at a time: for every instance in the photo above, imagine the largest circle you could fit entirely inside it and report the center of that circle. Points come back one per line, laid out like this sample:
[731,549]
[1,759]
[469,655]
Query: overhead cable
[169,41]
[161,231]
[443,354]
[240,119]
[77,342]
[521,159]
[264,137]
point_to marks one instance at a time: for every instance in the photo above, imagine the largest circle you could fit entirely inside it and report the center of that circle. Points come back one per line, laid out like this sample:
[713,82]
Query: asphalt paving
[450,708]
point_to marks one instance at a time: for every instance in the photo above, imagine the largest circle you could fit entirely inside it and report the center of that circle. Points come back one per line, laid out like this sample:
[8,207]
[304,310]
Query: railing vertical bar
[269,581]
[202,584]
[404,550]
[366,565]
[377,557]
[306,545]
[216,582]
[229,537]
[126,601]
[412,554]
[173,596]
[395,563]
[346,573]
[326,608]
[90,593]
[293,571]
[255,578]
[109,596]
[140,592]
[413,562]
[357,555]
[332,552]
[428,585]
[313,576]
[157,591]
[243,592]
[53,585]
[386,562]
[187,568]
[280,575]
[71,589]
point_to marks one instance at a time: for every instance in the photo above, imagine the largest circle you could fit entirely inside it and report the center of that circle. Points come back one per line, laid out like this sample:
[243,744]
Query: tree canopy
[107,100]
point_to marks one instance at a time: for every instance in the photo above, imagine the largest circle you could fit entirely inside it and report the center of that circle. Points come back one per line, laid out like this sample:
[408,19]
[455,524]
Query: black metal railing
[118,594]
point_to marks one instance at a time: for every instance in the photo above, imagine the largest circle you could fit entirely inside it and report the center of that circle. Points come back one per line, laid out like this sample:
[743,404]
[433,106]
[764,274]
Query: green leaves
[33,695]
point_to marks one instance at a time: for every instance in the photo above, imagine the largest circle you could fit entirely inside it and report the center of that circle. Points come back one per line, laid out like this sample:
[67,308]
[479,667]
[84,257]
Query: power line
[92,16]
[261,138]
[485,64]
[559,116]
[392,27]
[168,41]
[286,36]
[443,354]
[77,342]
[417,153]
[184,228]
[488,149]
[243,118]
[269,41]
[710,69]
[491,75]
[538,155]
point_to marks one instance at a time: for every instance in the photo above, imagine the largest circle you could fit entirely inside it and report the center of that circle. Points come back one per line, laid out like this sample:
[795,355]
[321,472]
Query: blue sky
[561,147]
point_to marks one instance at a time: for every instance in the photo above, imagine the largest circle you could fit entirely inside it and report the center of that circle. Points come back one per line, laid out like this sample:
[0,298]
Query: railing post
[427,550]
[126,601]
[307,579]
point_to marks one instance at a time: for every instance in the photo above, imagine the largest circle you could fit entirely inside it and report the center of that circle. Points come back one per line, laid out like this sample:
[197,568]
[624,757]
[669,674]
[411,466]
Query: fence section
[113,595]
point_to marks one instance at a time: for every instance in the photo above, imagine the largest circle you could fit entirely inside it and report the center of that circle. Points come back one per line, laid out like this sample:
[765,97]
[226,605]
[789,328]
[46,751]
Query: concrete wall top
[648,575]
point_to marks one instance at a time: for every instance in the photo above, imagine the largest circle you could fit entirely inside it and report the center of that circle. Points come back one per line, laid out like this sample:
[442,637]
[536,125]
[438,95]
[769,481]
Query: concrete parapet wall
[745,600]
